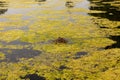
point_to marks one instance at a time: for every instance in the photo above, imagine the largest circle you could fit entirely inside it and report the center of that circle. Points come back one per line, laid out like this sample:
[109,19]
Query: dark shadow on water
[80,54]
[103,27]
[110,12]
[115,45]
[13,55]
[3,6]
[33,77]
[62,67]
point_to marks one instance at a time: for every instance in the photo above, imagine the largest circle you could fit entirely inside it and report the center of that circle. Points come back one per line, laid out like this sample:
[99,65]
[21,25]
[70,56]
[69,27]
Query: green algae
[83,33]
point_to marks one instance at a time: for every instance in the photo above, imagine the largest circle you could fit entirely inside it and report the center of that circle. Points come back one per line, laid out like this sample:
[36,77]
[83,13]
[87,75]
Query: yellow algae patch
[2,56]
[58,61]
[11,35]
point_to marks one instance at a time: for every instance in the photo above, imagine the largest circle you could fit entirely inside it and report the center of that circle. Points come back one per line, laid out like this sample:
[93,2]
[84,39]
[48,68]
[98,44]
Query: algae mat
[59,40]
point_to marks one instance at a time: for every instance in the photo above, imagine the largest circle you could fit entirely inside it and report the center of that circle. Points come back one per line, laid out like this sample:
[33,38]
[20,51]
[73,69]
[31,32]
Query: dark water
[115,45]
[14,55]
[110,12]
[79,54]
[33,77]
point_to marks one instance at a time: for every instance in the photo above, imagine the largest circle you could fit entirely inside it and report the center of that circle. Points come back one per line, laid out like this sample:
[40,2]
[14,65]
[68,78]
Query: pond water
[22,15]
[39,36]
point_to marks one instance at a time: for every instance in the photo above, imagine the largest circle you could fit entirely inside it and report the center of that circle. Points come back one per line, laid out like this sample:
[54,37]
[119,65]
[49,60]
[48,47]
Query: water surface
[54,40]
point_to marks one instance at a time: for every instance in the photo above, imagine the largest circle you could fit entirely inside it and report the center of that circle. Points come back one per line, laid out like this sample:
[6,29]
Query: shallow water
[22,15]
[51,40]
[38,24]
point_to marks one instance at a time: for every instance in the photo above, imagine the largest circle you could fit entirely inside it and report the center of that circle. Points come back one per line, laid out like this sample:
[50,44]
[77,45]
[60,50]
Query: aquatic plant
[51,43]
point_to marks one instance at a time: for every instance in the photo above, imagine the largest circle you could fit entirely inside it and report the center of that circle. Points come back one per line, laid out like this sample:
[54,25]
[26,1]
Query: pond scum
[49,42]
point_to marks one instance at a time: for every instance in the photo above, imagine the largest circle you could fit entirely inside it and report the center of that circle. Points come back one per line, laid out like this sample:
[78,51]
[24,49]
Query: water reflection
[108,11]
[3,8]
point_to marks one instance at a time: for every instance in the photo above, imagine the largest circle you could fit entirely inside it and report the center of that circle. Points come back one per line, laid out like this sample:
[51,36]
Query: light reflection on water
[49,5]
[34,10]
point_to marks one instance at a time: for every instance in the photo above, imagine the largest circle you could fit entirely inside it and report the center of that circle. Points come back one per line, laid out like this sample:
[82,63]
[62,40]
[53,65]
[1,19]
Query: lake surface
[49,38]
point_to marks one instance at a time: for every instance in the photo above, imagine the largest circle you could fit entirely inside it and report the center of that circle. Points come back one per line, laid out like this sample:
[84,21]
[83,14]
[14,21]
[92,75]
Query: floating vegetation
[2,56]
[59,40]
[3,4]
[108,10]
[69,4]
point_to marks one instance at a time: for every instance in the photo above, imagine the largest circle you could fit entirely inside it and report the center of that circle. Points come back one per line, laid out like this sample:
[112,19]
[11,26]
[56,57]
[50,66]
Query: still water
[22,22]
[21,15]
[59,39]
